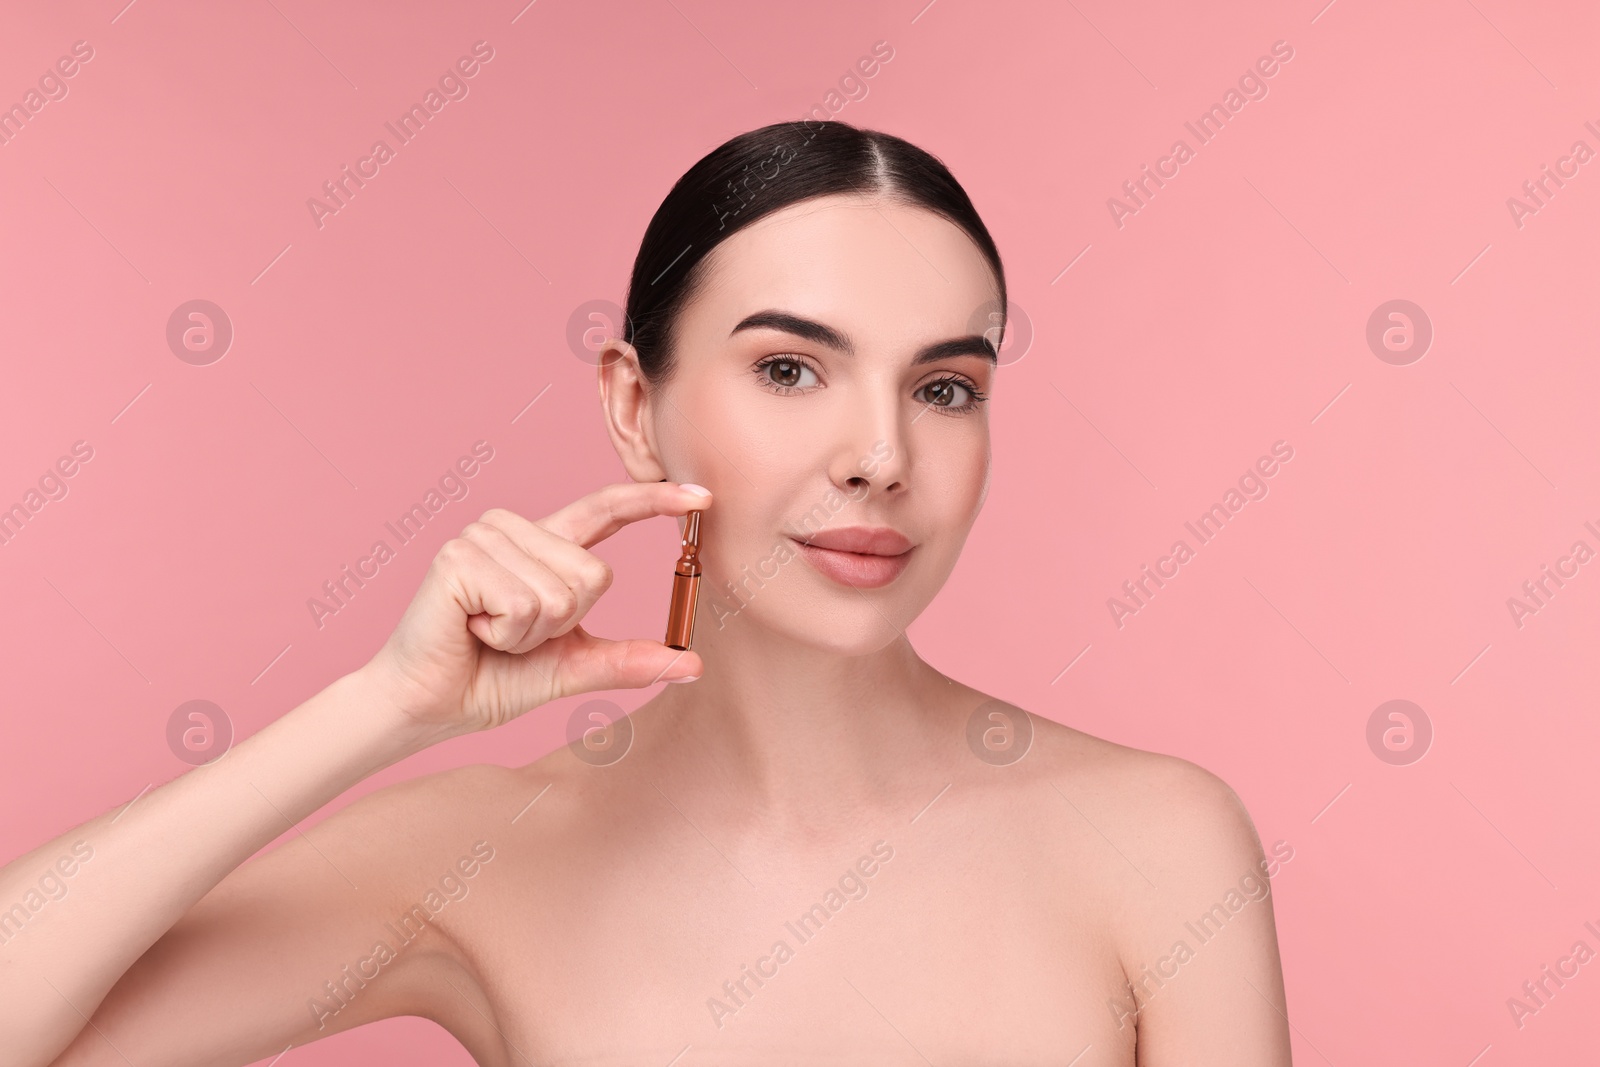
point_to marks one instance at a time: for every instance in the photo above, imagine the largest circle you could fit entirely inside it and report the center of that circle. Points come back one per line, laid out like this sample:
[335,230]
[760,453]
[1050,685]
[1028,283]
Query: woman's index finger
[593,518]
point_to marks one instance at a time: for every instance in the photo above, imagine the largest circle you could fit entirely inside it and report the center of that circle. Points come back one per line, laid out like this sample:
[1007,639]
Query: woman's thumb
[588,663]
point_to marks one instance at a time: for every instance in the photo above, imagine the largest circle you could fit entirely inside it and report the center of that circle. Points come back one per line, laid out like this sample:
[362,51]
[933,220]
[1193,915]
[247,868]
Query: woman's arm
[139,869]
[1206,982]
[492,632]
[351,922]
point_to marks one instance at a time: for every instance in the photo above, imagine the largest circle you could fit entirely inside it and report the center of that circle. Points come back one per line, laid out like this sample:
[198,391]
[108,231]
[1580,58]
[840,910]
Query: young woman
[819,850]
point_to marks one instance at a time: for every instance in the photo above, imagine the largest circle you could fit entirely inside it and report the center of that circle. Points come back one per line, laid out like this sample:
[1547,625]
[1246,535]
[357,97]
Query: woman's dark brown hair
[755,174]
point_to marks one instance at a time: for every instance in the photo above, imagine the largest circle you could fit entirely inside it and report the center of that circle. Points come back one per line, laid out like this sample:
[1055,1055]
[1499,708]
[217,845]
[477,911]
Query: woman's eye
[789,373]
[947,393]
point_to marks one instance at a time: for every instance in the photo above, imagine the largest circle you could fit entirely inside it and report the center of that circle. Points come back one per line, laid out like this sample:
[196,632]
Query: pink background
[1230,312]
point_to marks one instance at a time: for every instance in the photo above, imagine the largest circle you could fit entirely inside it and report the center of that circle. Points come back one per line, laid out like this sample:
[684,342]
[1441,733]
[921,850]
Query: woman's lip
[855,568]
[867,540]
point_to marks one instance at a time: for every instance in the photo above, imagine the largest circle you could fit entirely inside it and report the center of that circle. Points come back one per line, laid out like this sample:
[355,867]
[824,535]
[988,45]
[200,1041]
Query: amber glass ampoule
[685,588]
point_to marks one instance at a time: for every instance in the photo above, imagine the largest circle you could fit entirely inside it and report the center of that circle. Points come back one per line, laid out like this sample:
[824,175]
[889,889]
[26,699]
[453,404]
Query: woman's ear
[625,400]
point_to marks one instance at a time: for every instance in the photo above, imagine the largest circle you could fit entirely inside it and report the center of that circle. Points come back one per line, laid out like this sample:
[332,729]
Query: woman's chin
[840,629]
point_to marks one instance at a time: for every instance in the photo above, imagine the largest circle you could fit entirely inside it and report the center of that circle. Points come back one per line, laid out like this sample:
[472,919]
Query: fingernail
[690,678]
[698,490]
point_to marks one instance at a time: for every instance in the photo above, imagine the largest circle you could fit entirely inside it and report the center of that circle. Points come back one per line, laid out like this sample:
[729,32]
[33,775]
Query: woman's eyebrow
[823,334]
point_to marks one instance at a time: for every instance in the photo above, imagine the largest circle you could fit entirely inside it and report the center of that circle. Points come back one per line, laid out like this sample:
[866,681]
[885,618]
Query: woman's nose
[872,454]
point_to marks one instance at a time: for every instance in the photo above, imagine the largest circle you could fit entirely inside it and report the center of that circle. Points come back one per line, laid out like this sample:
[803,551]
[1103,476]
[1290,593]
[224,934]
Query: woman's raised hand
[493,631]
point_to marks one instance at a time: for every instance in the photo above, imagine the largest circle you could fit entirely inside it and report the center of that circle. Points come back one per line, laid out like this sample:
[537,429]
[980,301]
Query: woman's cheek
[728,418]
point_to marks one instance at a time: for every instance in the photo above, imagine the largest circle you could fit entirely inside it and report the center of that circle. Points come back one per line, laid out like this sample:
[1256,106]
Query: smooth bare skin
[1005,927]
[492,632]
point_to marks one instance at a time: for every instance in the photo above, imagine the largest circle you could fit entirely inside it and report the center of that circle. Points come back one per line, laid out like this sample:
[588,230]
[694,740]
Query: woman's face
[829,379]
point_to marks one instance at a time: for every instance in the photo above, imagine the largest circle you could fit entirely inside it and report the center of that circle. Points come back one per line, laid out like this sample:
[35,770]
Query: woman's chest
[893,956]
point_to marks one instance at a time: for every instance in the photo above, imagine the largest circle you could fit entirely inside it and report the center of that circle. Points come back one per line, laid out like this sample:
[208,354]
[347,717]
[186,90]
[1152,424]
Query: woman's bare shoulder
[1136,773]
[1184,821]
[1182,860]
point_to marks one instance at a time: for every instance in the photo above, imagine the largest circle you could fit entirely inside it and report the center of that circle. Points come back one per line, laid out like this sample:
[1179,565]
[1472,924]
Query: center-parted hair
[755,174]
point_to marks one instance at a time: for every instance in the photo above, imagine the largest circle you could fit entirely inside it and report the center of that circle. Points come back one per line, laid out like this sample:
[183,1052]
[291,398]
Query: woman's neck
[799,735]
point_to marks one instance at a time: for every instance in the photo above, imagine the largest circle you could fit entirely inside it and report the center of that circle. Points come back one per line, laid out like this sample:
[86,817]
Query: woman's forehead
[849,257]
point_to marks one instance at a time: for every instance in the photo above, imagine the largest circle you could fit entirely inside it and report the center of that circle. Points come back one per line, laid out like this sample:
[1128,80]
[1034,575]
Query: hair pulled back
[752,176]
